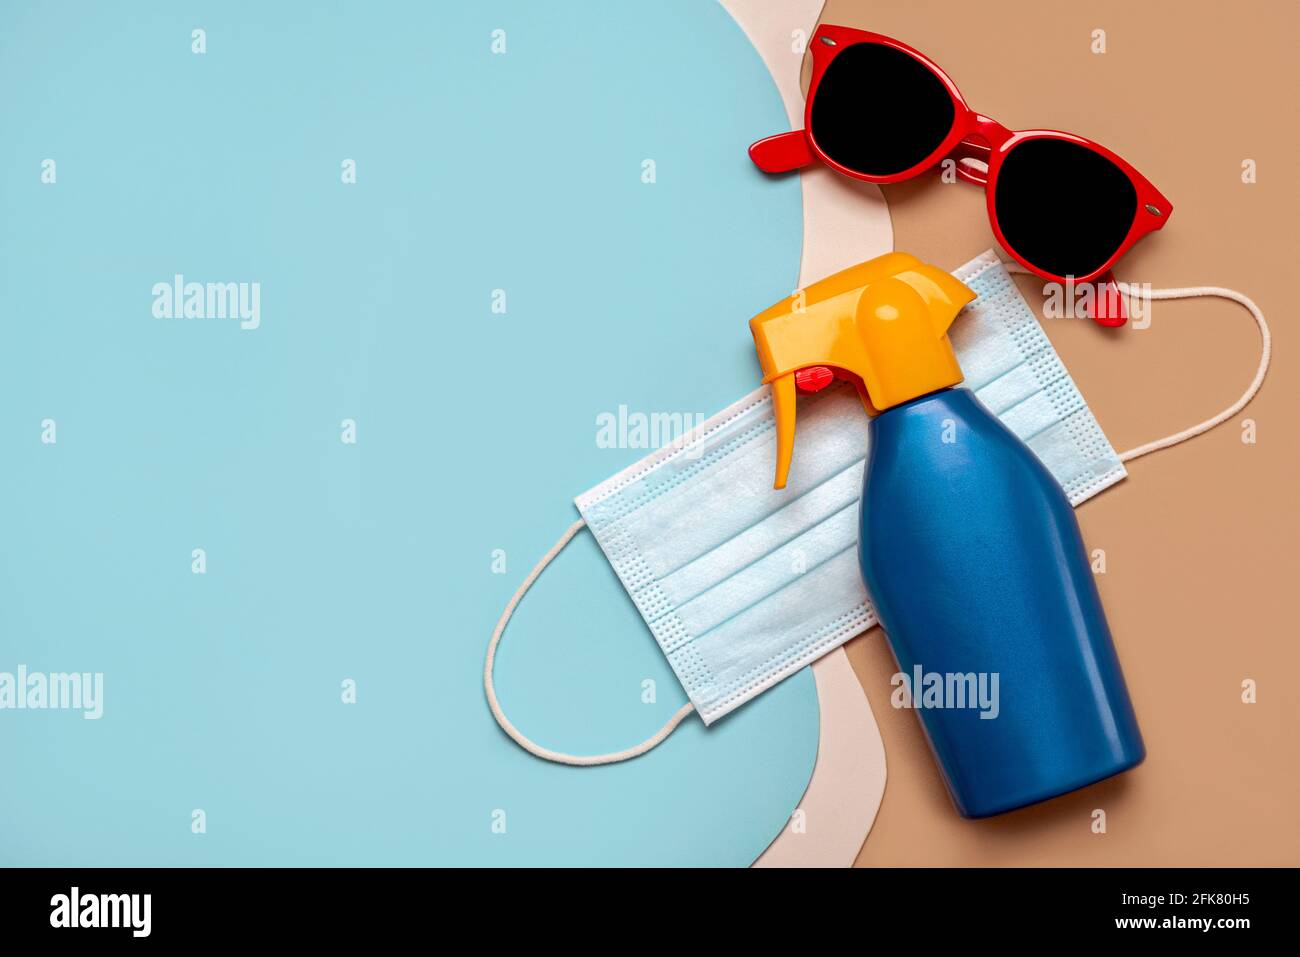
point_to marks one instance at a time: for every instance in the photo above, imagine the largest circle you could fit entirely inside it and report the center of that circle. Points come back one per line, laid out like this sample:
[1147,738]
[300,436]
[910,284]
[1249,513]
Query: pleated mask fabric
[742,584]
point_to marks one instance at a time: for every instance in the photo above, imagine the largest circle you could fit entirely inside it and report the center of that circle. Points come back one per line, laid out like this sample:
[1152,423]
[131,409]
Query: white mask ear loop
[1193,292]
[495,705]
[1163,443]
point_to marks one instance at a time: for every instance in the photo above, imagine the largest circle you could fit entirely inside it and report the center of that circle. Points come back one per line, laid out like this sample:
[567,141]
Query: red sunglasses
[1065,207]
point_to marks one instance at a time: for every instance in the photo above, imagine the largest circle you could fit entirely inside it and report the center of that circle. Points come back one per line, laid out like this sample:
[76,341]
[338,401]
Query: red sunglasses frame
[973,136]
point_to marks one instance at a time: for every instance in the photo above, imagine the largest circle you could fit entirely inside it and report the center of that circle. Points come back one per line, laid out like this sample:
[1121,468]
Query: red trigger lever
[813,379]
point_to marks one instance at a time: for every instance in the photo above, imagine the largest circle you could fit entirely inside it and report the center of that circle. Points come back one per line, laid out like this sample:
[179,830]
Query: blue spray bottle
[969,548]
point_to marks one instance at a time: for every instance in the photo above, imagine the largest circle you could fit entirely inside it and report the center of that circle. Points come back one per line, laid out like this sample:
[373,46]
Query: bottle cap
[883,324]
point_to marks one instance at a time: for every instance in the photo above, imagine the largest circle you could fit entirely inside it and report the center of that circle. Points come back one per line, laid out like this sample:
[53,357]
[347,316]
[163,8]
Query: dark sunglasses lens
[879,111]
[1062,206]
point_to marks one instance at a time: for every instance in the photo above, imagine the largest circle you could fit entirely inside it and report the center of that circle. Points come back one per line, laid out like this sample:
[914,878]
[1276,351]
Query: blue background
[371,561]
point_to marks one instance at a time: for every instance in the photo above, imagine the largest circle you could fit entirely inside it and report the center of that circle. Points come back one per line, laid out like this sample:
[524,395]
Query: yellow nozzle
[884,321]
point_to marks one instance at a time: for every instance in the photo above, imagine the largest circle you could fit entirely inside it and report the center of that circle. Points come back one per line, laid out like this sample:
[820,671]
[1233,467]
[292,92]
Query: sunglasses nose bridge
[982,136]
[993,132]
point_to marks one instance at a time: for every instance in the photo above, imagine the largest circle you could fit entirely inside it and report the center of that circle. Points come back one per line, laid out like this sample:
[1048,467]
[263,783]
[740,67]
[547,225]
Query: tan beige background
[1200,539]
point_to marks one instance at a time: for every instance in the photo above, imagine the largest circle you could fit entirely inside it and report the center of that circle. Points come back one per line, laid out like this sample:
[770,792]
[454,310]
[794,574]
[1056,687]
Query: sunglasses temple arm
[782,152]
[1108,305]
[971,161]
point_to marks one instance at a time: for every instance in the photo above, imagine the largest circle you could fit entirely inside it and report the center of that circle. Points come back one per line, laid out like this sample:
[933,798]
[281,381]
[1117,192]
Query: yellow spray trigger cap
[884,321]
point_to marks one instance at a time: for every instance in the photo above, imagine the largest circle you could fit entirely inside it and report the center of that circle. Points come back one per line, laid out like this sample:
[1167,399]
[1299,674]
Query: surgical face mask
[743,585]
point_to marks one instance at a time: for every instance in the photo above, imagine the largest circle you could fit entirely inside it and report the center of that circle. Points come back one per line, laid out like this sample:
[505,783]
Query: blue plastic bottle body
[973,558]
